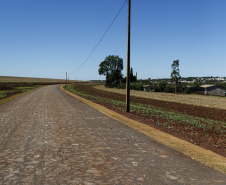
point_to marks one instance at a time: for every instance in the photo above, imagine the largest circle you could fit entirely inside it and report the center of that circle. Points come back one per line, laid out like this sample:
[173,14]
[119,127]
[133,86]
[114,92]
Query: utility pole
[128,62]
[66,78]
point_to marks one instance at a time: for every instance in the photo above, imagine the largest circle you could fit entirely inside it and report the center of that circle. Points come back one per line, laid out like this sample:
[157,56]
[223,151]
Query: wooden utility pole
[128,62]
[66,78]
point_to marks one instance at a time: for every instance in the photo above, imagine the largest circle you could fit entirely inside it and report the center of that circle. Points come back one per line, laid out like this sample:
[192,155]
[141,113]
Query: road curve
[49,137]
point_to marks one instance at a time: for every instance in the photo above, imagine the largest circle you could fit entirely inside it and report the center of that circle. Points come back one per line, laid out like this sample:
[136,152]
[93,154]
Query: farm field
[10,86]
[10,89]
[190,99]
[204,126]
[28,79]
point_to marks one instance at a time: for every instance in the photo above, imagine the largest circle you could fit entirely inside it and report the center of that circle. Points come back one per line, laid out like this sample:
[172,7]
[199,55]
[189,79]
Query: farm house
[148,88]
[208,90]
[213,90]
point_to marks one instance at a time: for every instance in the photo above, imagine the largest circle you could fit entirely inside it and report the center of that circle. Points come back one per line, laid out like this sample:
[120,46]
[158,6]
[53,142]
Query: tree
[112,68]
[175,74]
[133,78]
[197,82]
[162,85]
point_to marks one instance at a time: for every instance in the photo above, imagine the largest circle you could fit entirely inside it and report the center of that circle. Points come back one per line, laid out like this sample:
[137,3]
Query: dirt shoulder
[190,99]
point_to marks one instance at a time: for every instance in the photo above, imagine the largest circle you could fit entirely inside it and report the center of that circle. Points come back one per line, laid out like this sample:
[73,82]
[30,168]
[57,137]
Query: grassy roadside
[11,90]
[197,153]
[2,101]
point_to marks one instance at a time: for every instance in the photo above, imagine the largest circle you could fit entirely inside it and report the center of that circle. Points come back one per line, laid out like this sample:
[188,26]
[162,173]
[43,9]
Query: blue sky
[47,38]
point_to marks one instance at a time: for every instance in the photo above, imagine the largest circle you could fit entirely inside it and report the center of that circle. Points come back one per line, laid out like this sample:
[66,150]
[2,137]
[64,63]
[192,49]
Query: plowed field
[203,126]
[190,99]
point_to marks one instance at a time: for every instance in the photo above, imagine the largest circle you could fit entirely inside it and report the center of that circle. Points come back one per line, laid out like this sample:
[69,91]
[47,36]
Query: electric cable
[100,39]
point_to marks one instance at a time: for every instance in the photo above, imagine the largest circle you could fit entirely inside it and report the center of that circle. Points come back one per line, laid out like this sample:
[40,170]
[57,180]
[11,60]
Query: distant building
[196,90]
[148,88]
[213,90]
[208,90]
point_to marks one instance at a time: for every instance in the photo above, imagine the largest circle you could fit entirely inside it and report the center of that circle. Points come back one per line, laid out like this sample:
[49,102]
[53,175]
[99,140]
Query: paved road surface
[48,137]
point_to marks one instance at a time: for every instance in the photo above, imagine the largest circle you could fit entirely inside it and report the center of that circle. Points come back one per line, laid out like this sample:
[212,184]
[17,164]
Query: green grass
[8,89]
[179,118]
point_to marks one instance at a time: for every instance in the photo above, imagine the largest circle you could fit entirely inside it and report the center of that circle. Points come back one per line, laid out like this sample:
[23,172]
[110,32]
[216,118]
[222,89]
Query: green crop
[166,118]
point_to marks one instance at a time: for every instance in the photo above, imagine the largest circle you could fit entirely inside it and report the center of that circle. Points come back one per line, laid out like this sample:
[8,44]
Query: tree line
[112,68]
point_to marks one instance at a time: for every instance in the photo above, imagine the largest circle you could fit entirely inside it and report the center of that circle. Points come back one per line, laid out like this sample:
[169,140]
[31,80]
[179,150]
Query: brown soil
[213,142]
[190,99]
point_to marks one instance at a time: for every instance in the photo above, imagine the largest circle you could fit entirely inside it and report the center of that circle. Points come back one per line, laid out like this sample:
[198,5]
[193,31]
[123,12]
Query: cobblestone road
[48,137]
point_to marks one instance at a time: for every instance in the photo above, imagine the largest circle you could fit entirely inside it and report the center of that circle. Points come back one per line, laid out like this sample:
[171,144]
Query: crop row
[167,118]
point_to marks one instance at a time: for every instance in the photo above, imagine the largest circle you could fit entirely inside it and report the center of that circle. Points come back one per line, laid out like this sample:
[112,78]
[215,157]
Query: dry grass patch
[190,99]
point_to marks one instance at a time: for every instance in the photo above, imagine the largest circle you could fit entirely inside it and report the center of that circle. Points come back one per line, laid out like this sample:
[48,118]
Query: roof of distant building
[206,86]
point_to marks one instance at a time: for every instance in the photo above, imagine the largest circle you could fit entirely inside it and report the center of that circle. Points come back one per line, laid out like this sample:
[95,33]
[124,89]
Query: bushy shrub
[113,80]
[161,85]
[221,84]
[136,86]
[121,86]
[133,86]
[169,89]
[182,88]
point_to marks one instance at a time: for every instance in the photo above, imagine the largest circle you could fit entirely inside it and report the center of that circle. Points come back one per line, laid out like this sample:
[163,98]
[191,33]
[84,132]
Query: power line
[100,39]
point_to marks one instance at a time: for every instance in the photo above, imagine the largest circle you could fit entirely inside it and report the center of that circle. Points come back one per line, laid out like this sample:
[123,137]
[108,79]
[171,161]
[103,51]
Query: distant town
[208,79]
[203,80]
